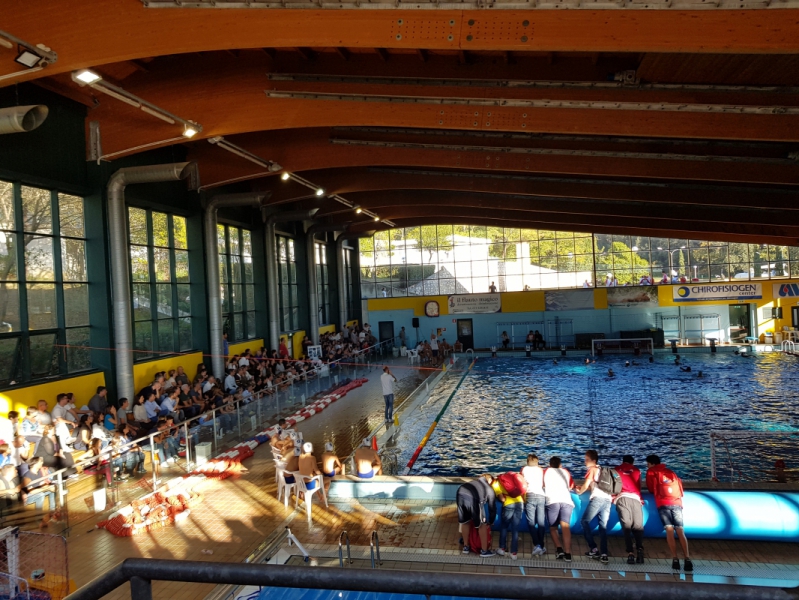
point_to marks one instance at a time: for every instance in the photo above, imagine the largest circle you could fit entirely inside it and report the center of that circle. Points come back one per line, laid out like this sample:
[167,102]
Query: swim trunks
[368,475]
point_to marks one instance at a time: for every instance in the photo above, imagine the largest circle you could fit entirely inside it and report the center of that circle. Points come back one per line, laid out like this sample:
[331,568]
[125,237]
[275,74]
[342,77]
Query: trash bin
[395,351]
[778,337]
[768,338]
[403,351]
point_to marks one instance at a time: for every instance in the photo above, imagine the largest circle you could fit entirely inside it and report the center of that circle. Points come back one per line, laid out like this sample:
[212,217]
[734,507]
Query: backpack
[474,540]
[513,483]
[609,481]
[668,486]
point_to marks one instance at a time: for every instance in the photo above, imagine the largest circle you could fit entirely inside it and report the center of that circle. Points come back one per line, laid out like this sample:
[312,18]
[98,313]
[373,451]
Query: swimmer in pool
[685,369]
[367,462]
[651,359]
[588,361]
[554,361]
[331,465]
[626,363]
[699,375]
[611,373]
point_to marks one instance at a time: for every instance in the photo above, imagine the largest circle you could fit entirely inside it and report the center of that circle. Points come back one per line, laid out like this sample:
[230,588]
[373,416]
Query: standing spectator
[512,507]
[598,508]
[505,340]
[538,340]
[558,484]
[628,507]
[99,402]
[535,504]
[283,349]
[225,346]
[387,381]
[477,507]
[664,484]
[492,288]
[384,292]
[402,337]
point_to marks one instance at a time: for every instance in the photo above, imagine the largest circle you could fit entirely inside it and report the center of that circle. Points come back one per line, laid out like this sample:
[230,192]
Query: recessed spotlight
[320,192]
[28,59]
[189,131]
[377,218]
[358,210]
[285,176]
[86,76]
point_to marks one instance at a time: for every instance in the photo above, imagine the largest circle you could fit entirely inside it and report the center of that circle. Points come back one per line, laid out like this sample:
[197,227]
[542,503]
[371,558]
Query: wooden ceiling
[477,116]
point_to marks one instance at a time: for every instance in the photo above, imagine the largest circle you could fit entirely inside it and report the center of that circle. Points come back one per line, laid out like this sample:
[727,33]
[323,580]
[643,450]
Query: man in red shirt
[628,507]
[667,489]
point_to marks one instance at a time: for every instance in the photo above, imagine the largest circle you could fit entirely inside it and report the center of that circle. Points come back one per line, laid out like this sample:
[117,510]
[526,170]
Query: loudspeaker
[415,322]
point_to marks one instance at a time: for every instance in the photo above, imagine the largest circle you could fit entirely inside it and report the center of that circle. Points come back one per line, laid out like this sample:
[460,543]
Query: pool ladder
[346,535]
[374,549]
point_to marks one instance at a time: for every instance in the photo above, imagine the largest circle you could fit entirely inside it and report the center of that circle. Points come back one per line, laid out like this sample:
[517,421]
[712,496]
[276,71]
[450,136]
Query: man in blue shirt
[152,408]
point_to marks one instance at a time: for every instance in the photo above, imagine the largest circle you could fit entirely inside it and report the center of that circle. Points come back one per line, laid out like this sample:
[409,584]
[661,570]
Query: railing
[374,548]
[346,535]
[141,572]
[788,346]
[241,423]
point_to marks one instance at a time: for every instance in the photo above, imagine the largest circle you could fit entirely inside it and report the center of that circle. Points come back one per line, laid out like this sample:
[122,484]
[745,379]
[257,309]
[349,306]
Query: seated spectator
[83,434]
[10,486]
[141,420]
[5,454]
[20,451]
[167,440]
[458,346]
[30,426]
[99,402]
[42,414]
[181,378]
[53,456]
[331,465]
[133,453]
[367,462]
[36,486]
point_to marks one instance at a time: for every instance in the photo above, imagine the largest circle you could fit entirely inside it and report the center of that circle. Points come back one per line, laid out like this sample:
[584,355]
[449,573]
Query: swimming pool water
[508,407]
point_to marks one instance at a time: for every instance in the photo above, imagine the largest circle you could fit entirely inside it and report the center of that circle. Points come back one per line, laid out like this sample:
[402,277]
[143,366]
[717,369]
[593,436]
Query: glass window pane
[139,263]
[220,239]
[141,302]
[184,300]
[76,304]
[9,358]
[184,331]
[236,295]
[137,222]
[70,215]
[43,355]
[223,269]
[233,233]
[238,326]
[250,325]
[160,229]
[249,290]
[9,307]
[248,271]
[235,269]
[143,340]
[37,212]
[246,237]
[73,260]
[164,301]
[161,264]
[78,353]
[166,335]
[181,266]
[7,205]
[8,255]
[179,232]
[41,306]
[39,259]
[224,298]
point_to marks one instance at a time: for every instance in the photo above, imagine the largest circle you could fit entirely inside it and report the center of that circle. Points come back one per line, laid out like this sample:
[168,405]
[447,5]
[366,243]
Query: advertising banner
[569,299]
[786,290]
[474,304]
[642,295]
[717,291]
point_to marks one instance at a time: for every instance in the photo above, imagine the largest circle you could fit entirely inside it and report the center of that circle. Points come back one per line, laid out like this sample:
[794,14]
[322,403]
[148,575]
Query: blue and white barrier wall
[708,514]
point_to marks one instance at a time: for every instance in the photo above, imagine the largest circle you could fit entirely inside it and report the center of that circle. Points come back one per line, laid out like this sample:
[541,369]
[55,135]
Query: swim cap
[328,447]
[366,442]
[307,447]
[297,452]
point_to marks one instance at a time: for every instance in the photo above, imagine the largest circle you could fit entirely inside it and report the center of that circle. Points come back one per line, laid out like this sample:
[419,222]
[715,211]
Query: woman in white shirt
[535,504]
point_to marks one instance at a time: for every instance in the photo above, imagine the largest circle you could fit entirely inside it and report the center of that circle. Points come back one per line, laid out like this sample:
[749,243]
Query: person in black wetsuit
[477,507]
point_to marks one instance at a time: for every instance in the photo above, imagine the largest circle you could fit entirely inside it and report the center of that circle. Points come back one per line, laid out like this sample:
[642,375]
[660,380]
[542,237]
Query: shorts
[331,474]
[368,475]
[435,353]
[470,510]
[311,485]
[559,512]
[289,478]
[670,516]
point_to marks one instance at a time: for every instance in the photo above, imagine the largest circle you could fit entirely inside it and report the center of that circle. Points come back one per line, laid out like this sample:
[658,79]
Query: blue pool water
[506,408]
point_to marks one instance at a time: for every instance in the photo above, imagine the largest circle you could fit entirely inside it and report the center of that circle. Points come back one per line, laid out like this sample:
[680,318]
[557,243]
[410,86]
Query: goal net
[634,346]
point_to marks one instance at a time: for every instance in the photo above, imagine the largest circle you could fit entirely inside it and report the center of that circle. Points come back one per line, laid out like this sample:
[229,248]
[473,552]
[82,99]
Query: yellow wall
[351,323]
[325,329]
[83,386]
[144,373]
[240,347]
[600,298]
[523,302]
[296,342]
[413,302]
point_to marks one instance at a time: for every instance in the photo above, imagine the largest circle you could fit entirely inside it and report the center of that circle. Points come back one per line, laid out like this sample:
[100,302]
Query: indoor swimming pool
[508,407]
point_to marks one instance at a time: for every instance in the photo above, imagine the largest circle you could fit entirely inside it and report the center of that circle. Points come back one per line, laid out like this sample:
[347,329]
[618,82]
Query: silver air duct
[342,293]
[212,269]
[271,268]
[21,119]
[120,261]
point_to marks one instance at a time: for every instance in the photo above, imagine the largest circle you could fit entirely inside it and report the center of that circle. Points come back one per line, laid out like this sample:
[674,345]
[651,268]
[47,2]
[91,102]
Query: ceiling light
[28,59]
[86,76]
[189,131]
[358,210]
[320,192]
[285,176]
[377,218]
[5,43]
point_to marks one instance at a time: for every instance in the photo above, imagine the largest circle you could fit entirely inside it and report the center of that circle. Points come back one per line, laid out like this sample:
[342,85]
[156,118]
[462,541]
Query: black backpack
[609,481]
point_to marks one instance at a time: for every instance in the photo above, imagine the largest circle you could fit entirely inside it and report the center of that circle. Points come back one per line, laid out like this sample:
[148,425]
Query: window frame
[247,312]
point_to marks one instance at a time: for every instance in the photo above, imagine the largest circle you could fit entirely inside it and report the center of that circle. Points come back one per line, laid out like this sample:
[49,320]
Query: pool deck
[237,514]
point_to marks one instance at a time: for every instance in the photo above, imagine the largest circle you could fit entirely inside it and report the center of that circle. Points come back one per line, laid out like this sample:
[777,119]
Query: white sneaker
[500,552]
[163,465]
[170,460]
[543,551]
[513,555]
[537,551]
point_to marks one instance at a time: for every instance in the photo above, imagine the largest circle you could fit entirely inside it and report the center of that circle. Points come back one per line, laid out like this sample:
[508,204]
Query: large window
[447,259]
[236,282]
[349,290]
[323,284]
[287,283]
[44,293]
[159,271]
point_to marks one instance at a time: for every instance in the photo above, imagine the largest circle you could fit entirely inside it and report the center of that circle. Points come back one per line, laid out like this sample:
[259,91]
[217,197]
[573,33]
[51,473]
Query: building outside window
[323,284]
[159,271]
[287,284]
[236,282]
[44,292]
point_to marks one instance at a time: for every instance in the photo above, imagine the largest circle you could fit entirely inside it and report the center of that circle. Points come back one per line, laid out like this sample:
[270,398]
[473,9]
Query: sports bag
[474,540]
[609,481]
[669,486]
[513,483]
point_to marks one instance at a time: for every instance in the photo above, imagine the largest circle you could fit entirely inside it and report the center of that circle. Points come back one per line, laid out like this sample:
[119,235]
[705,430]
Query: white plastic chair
[308,494]
[413,356]
[279,466]
[284,489]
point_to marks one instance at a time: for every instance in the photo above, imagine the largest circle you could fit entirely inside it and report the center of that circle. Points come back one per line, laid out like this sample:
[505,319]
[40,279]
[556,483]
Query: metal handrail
[141,572]
[341,550]
[374,547]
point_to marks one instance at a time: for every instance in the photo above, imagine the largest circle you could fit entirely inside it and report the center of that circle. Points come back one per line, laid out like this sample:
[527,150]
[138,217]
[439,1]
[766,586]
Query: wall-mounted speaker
[415,322]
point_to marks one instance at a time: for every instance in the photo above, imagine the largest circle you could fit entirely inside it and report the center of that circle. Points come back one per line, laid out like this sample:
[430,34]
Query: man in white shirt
[558,483]
[63,425]
[244,361]
[535,504]
[387,380]
[230,381]
[209,384]
[434,348]
[598,507]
